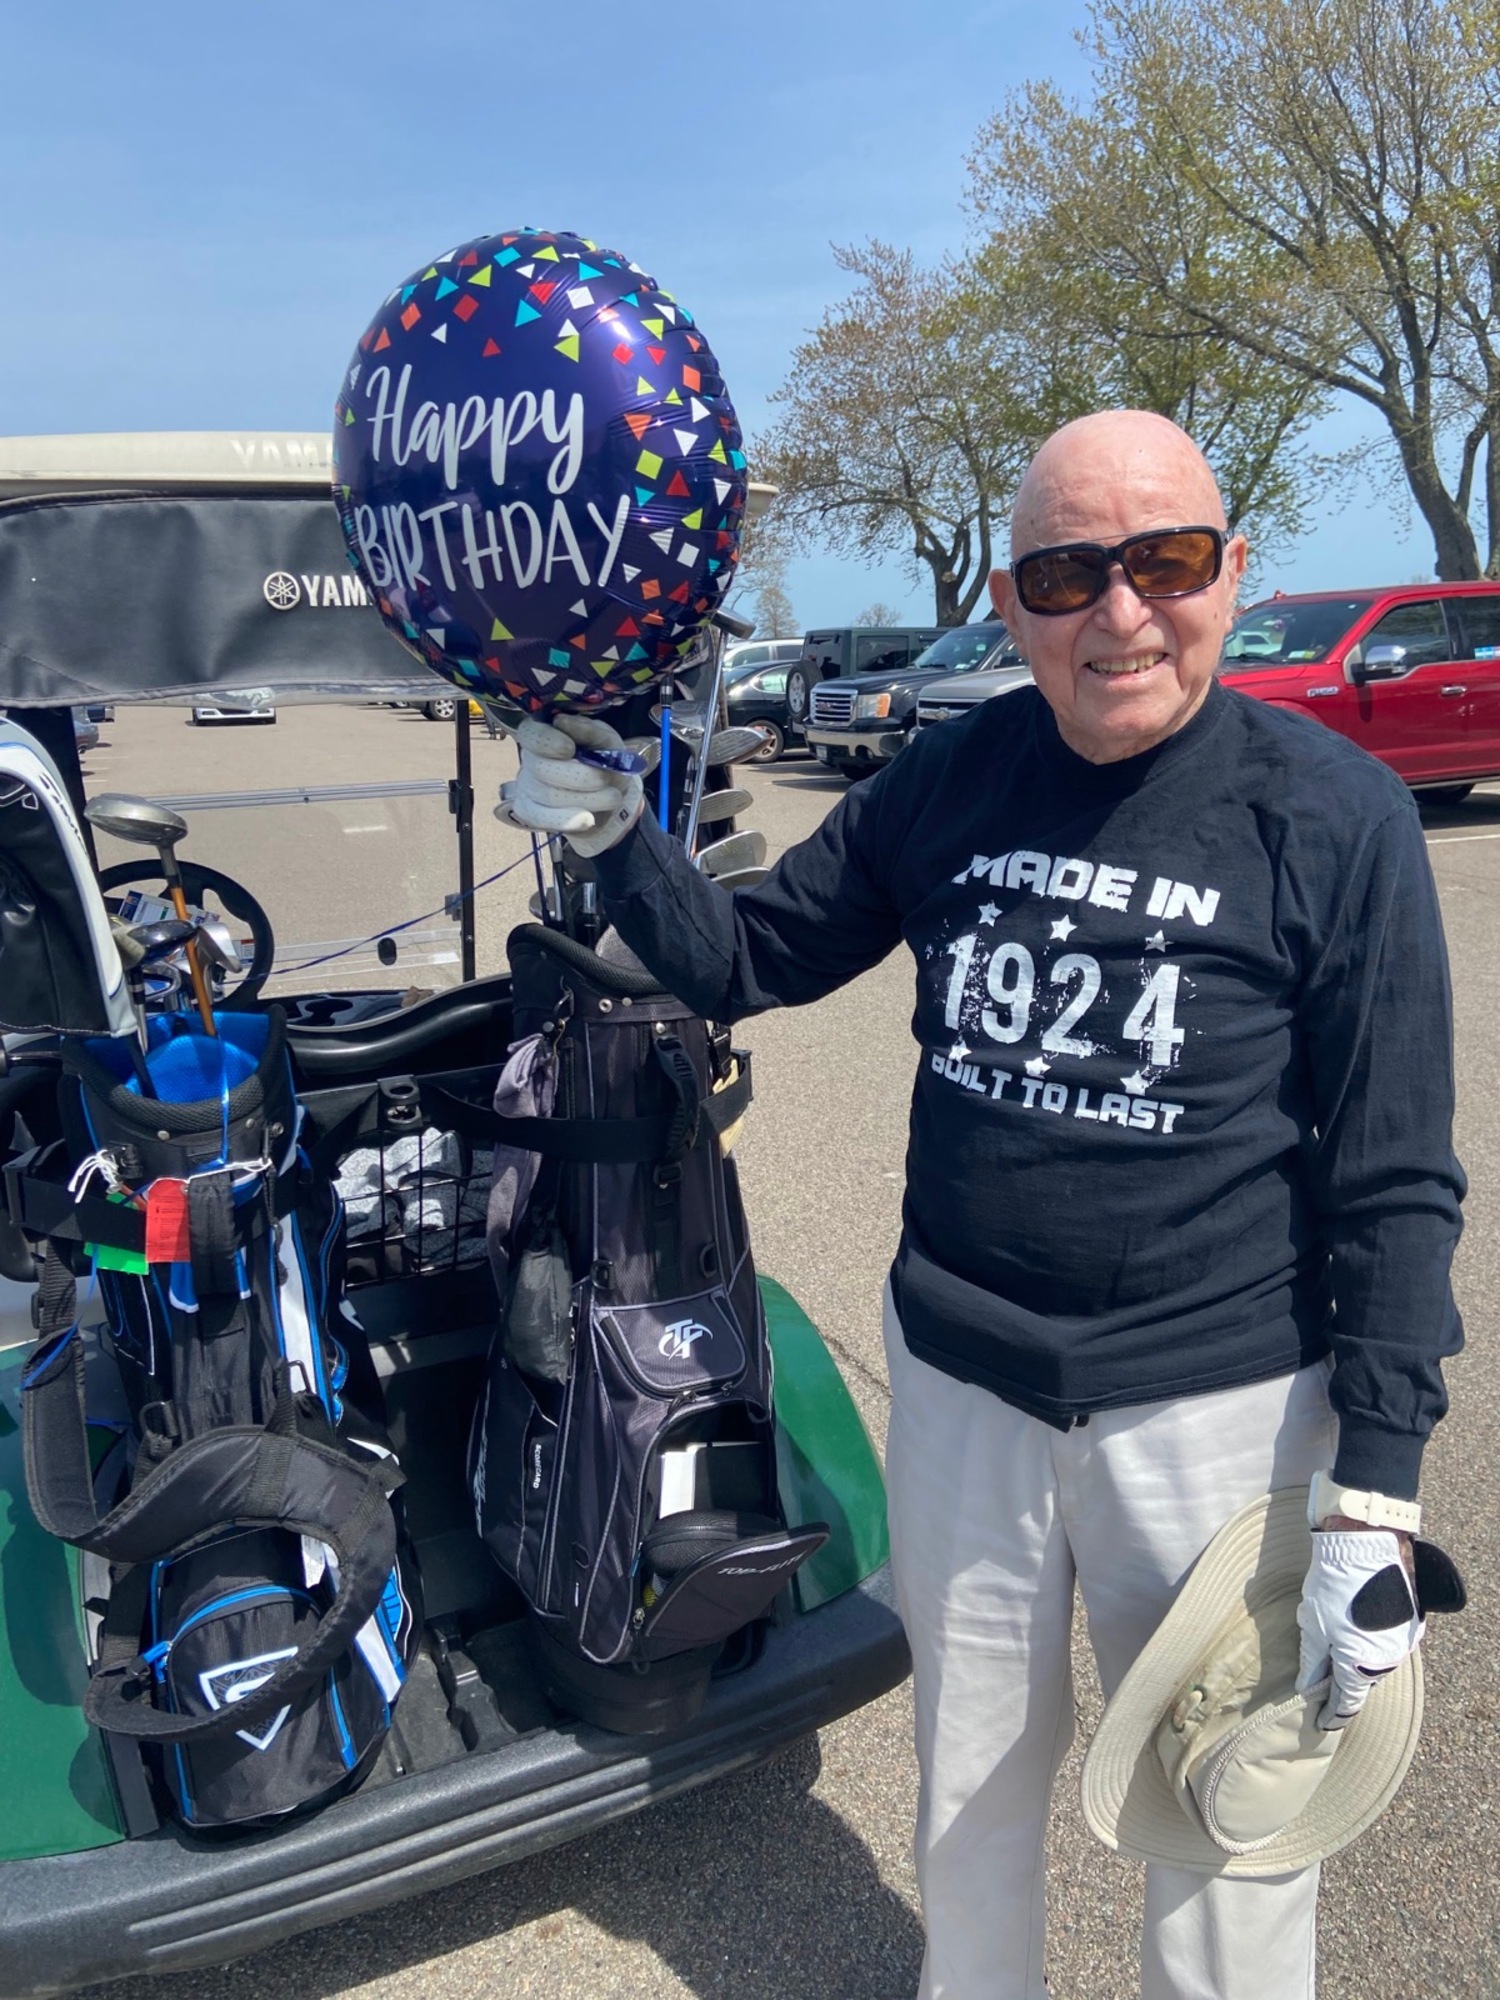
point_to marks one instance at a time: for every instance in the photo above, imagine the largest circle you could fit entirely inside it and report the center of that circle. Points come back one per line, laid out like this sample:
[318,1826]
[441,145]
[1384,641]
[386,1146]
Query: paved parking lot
[795,1882]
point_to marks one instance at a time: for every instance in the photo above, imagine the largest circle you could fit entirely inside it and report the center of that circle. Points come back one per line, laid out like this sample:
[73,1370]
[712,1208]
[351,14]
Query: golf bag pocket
[708,1574]
[688,1348]
[657,1391]
[223,1619]
[514,1447]
[538,1318]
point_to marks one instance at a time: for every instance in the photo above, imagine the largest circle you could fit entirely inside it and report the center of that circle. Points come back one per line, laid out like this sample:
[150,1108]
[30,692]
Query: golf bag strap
[60,1477]
[41,1205]
[56,1294]
[617,1141]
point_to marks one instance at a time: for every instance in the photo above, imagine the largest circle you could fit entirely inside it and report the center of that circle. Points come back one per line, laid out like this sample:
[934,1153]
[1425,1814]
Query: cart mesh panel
[414,1205]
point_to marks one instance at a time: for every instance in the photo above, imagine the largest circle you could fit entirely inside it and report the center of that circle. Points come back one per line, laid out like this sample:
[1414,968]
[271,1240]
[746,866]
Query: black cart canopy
[184,567]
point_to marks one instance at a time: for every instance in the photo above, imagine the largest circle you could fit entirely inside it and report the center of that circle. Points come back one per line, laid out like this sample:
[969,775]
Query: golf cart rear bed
[171,1903]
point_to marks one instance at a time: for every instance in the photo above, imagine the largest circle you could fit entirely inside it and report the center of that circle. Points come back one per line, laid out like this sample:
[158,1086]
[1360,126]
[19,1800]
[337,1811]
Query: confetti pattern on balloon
[539,474]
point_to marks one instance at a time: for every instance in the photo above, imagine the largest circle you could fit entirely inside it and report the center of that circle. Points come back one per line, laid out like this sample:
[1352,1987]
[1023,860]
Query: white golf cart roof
[154,461]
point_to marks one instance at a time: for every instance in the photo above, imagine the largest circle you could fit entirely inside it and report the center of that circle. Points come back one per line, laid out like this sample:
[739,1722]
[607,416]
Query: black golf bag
[211,1447]
[623,1456]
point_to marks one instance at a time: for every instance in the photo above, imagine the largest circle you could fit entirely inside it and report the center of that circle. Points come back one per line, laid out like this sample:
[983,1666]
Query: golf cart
[144,572]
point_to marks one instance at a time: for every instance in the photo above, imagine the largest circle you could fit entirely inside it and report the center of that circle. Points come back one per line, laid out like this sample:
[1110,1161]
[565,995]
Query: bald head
[1121,670]
[1110,452]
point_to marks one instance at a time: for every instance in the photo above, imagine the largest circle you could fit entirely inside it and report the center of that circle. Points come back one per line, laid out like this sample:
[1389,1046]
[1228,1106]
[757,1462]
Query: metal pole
[710,720]
[461,805]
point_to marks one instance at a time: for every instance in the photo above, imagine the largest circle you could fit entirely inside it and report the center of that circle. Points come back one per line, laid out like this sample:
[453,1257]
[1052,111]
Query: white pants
[993,1516]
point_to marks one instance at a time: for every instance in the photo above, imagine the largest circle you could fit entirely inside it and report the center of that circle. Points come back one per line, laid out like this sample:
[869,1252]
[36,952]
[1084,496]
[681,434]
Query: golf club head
[164,984]
[742,878]
[718,806]
[728,746]
[648,749]
[138,820]
[734,852]
[217,944]
[159,941]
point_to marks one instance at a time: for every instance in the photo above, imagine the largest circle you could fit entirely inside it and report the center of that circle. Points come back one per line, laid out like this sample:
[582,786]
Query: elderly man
[1180,1198]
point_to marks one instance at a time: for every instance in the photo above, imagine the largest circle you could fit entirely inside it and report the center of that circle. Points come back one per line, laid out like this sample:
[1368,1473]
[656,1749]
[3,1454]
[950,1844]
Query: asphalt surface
[795,1882]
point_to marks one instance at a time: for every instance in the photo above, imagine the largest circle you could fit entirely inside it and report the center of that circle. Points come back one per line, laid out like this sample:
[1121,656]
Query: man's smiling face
[1126,672]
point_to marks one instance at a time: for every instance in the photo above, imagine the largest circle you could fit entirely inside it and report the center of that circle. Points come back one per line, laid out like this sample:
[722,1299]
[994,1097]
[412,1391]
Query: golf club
[742,878]
[725,746]
[734,852]
[715,641]
[218,943]
[719,806]
[151,825]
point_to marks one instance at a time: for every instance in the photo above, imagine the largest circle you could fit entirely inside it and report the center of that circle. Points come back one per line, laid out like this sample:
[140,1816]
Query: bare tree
[760,579]
[1340,161]
[879,614]
[774,615]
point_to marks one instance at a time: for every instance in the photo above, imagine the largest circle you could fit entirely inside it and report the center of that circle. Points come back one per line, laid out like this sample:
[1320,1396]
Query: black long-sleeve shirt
[1183,1105]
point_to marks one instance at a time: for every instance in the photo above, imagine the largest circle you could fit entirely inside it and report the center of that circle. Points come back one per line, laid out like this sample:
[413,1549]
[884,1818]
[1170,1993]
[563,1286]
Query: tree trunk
[945,597]
[1452,535]
[947,582]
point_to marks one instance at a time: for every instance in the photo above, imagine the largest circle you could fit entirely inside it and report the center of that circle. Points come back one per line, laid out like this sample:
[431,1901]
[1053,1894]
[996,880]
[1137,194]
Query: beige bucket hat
[1207,1758]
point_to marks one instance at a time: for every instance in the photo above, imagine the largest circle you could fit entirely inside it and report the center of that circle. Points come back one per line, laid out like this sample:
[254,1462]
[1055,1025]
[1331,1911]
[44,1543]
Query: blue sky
[204,205]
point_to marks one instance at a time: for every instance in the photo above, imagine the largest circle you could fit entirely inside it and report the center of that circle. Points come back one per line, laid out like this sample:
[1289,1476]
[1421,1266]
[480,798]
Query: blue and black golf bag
[216,1445]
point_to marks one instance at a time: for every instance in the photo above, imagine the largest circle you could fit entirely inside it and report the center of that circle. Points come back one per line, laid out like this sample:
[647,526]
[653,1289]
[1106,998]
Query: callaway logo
[238,1679]
[284,592]
[677,1342]
[760,1569]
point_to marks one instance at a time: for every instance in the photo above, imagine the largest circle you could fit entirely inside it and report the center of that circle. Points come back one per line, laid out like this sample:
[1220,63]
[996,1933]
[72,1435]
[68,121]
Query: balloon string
[392,930]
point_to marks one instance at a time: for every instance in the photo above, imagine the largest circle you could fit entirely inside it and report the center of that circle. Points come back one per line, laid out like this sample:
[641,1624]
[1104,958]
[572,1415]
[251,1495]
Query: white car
[204,712]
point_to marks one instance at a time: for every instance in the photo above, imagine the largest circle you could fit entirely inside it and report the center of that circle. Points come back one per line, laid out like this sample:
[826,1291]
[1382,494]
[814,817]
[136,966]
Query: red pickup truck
[1410,673]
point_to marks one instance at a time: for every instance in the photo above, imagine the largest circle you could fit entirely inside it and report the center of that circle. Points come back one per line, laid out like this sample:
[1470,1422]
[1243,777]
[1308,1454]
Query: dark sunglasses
[1172,562]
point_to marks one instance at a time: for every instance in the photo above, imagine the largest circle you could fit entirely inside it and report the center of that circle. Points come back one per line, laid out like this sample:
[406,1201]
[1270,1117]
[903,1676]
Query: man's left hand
[1365,1601]
[1358,1616]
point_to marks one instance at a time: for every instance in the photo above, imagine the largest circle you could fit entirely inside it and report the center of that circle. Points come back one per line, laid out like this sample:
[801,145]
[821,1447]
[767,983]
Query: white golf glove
[1358,1617]
[555,793]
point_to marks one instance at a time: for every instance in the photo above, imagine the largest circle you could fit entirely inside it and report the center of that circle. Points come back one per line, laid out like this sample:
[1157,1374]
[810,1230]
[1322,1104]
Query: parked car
[956,694]
[1411,673]
[442,708]
[860,724]
[748,653]
[98,1880]
[834,653]
[85,731]
[204,711]
[757,695]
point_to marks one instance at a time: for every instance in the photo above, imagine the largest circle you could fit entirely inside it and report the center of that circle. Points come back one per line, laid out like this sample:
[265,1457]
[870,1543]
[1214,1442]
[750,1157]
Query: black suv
[857,725]
[852,649]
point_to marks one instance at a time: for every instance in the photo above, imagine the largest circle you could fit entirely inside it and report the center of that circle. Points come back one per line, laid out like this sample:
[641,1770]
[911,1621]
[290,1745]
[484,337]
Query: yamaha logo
[284,592]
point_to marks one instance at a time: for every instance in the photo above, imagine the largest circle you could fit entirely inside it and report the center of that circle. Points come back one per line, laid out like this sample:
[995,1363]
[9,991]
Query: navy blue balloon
[539,474]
